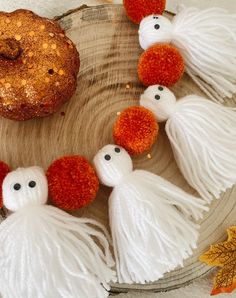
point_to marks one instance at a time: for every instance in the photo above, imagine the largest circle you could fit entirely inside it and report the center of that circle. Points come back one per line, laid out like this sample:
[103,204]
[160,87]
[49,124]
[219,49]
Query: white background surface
[51,8]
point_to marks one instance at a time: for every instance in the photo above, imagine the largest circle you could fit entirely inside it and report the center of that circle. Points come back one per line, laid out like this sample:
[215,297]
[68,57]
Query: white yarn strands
[46,252]
[203,138]
[151,220]
[207,41]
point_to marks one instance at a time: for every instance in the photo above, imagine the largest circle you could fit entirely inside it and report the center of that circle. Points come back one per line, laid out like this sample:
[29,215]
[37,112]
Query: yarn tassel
[207,41]
[203,138]
[46,252]
[151,220]
[57,254]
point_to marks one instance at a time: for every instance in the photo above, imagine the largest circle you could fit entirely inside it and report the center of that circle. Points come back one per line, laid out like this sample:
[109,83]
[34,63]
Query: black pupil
[51,71]
[107,157]
[157,97]
[32,184]
[17,186]
[117,150]
[160,88]
[157,26]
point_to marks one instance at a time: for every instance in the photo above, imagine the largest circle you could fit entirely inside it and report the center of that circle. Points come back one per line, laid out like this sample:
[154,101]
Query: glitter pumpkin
[38,66]
[4,170]
[136,129]
[161,64]
[72,182]
[138,9]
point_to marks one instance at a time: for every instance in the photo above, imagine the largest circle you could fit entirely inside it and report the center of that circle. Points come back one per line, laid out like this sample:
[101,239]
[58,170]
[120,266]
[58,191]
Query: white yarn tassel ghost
[203,138]
[150,218]
[45,252]
[207,41]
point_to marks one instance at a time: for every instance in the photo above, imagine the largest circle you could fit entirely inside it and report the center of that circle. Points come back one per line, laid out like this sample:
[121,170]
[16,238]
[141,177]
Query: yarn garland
[153,222]
[206,41]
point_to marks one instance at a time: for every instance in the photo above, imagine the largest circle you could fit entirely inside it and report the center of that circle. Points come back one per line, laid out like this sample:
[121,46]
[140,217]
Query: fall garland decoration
[153,222]
[201,42]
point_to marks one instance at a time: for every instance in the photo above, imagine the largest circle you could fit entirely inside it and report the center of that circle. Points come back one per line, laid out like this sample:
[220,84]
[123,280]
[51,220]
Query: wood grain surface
[107,84]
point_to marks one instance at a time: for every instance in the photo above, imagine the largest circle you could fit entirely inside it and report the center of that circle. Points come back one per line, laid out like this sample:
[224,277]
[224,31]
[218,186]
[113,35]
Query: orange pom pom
[4,170]
[139,9]
[161,64]
[72,182]
[136,130]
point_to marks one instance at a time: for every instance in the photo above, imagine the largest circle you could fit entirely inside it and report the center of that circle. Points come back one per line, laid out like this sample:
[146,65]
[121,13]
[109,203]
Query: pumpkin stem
[10,49]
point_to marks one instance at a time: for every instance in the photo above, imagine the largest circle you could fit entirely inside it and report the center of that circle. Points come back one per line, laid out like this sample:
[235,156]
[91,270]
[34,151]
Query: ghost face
[112,163]
[160,100]
[24,187]
[155,29]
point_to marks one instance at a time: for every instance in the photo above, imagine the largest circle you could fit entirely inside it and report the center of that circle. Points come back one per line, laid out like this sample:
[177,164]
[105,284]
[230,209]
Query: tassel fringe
[152,227]
[46,252]
[203,138]
[207,40]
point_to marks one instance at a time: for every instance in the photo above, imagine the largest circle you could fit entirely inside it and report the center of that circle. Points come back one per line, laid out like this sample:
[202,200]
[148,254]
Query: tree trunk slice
[108,83]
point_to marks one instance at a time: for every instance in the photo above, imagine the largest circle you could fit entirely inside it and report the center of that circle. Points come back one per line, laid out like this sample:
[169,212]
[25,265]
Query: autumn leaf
[223,255]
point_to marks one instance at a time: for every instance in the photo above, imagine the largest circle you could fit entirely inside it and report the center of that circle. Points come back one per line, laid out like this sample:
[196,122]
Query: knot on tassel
[24,187]
[155,29]
[112,165]
[160,100]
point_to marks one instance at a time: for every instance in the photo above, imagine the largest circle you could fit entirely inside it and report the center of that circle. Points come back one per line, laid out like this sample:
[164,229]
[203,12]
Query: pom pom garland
[150,235]
[161,64]
[153,222]
[206,40]
[138,9]
[73,183]
[50,247]
[135,130]
[203,138]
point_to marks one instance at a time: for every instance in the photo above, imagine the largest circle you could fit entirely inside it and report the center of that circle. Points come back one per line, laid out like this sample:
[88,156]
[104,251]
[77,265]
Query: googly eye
[157,97]
[107,157]
[160,88]
[32,184]
[157,26]
[117,150]
[17,186]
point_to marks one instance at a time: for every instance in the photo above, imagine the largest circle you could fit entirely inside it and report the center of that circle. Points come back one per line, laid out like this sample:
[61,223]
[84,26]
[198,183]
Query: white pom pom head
[155,29]
[23,187]
[160,100]
[112,163]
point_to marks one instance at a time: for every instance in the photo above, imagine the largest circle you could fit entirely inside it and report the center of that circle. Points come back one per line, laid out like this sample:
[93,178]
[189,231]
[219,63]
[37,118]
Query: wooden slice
[108,83]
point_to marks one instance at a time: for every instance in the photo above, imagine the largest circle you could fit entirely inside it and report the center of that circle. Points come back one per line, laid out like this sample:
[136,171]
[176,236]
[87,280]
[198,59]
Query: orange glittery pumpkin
[161,64]
[138,9]
[136,129]
[4,170]
[72,182]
